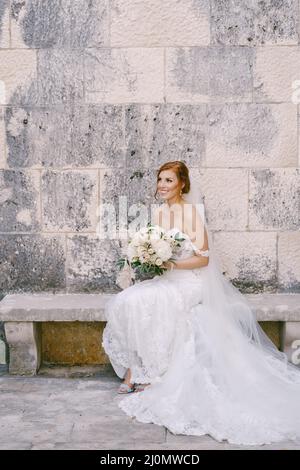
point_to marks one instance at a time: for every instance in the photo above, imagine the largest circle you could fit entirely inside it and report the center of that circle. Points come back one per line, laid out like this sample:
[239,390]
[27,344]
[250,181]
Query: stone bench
[22,315]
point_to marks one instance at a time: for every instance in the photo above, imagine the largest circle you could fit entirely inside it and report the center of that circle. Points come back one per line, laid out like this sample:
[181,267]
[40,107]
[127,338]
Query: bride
[189,340]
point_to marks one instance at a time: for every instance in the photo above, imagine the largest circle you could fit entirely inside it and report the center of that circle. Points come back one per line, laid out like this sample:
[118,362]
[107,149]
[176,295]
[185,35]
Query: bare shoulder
[195,228]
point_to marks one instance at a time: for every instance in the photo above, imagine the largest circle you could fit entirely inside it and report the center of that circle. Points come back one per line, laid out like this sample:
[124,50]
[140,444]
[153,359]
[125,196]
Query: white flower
[153,258]
[140,237]
[162,249]
[131,252]
[151,245]
[156,232]
[143,235]
[141,251]
[135,241]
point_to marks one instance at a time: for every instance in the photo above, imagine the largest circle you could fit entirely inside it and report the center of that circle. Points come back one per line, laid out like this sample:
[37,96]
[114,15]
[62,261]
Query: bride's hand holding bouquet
[149,253]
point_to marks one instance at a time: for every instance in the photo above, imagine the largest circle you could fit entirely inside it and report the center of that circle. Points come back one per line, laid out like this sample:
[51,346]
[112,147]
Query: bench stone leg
[291,341]
[24,340]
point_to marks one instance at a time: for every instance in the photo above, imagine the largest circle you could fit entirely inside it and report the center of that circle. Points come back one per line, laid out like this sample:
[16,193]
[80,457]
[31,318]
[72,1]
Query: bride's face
[168,184]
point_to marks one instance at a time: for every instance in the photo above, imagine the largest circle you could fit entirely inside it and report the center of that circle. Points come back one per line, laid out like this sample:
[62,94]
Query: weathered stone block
[73,343]
[130,193]
[4,24]
[38,137]
[274,199]
[88,136]
[158,133]
[19,201]
[248,259]
[275,70]
[299,127]
[69,200]
[98,136]
[289,261]
[159,23]
[55,307]
[254,22]
[187,74]
[230,74]
[37,24]
[31,262]
[2,139]
[273,307]
[2,352]
[226,207]
[71,23]
[274,330]
[90,23]
[92,263]
[124,75]
[243,134]
[216,74]
[24,341]
[18,77]
[60,76]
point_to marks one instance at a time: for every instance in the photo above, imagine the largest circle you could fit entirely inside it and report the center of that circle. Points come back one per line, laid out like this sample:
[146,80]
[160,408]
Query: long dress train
[207,376]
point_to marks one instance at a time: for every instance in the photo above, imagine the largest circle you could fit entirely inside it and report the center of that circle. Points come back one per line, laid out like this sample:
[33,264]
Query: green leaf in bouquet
[121,262]
[178,237]
[159,270]
[146,268]
[135,264]
[152,227]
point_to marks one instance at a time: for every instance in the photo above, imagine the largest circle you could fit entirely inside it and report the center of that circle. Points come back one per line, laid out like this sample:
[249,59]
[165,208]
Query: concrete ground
[62,409]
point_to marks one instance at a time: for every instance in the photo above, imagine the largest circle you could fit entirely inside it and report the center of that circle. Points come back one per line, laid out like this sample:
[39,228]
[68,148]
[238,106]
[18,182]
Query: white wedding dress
[144,320]
[212,369]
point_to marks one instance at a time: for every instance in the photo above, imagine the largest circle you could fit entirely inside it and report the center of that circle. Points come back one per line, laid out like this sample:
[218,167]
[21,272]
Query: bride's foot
[141,387]
[127,386]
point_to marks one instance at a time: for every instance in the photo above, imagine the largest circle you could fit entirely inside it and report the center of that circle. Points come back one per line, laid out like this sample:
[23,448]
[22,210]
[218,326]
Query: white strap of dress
[202,252]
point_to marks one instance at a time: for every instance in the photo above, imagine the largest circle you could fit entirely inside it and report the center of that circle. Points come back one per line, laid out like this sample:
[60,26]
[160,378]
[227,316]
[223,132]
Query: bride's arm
[191,263]
[198,235]
[196,261]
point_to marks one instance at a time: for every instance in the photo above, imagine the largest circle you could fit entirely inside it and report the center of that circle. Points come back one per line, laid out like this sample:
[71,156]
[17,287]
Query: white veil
[232,314]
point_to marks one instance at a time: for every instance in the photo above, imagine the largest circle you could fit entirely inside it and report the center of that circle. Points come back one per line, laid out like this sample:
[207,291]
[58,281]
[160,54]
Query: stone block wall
[96,95]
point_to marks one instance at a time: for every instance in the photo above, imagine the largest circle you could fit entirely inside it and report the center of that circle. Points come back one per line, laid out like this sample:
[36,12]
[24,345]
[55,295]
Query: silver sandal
[125,388]
[141,387]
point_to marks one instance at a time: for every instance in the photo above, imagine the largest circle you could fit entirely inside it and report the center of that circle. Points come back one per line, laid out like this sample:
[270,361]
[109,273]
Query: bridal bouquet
[146,253]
